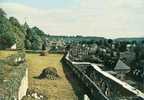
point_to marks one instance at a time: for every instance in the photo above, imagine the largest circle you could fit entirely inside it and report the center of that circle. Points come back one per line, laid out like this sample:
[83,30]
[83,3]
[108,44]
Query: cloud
[109,18]
[51,19]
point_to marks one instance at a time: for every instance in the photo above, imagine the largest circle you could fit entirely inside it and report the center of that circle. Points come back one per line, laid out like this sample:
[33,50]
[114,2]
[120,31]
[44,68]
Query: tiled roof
[121,66]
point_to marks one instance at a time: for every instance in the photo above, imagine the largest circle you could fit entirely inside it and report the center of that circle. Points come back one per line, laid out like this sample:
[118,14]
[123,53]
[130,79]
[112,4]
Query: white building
[13,47]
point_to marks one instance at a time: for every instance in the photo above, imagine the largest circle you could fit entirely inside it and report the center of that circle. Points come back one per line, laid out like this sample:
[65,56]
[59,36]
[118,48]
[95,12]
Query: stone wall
[14,77]
[24,86]
[93,92]
[101,85]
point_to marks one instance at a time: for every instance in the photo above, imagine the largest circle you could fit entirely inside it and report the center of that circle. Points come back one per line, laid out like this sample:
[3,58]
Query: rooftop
[121,66]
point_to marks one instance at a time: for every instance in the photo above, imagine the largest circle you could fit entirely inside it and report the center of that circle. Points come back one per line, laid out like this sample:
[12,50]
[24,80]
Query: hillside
[140,39]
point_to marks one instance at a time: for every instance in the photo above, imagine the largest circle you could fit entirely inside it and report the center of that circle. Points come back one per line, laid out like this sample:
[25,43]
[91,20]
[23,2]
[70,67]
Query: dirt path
[55,89]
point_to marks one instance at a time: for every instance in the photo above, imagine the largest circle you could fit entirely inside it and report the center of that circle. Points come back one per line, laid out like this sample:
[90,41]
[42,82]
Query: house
[13,47]
[93,48]
[121,68]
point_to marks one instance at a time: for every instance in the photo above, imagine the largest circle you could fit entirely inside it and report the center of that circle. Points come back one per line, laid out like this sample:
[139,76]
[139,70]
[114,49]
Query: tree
[123,46]
[142,41]
[28,44]
[19,33]
[34,37]
[14,22]
[7,36]
[36,42]
[110,42]
[44,45]
[11,32]
[2,13]
[6,40]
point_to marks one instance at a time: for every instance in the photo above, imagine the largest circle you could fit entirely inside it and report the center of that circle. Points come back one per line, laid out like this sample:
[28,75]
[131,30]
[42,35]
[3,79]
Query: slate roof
[121,66]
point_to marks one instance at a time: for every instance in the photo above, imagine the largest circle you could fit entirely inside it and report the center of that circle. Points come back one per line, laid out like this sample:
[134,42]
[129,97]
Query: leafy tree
[2,13]
[28,44]
[43,47]
[34,37]
[6,40]
[123,46]
[11,32]
[19,33]
[7,36]
[38,31]
[14,22]
[110,42]
[142,41]
[36,42]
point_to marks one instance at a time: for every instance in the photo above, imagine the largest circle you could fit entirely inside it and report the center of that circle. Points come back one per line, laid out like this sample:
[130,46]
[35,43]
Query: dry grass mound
[43,53]
[49,73]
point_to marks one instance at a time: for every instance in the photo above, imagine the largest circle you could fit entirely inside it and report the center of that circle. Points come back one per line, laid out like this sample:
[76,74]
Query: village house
[121,68]
[56,45]
[13,47]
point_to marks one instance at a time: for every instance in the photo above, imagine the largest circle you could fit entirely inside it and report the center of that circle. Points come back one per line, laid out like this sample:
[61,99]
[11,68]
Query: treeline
[11,32]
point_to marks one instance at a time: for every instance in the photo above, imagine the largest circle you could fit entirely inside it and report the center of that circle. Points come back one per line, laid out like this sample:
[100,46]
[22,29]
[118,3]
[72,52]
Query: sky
[103,18]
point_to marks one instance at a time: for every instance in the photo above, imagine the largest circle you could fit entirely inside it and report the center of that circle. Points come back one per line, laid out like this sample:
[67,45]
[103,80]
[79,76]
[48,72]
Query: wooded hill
[140,39]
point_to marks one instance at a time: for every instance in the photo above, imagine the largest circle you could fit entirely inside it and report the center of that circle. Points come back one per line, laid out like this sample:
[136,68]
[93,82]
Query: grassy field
[65,88]
[4,54]
[60,89]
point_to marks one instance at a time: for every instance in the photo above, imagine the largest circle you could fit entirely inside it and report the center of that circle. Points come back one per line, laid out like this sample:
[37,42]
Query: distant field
[4,54]
[55,89]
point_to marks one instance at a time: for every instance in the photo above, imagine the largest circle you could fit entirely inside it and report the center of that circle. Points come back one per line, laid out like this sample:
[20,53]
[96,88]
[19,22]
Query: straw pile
[49,73]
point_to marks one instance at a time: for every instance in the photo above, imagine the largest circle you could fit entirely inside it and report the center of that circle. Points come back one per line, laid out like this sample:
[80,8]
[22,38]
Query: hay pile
[49,73]
[43,53]
[34,94]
